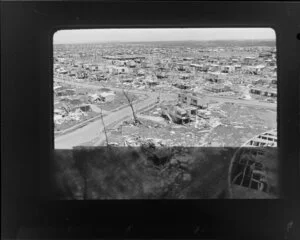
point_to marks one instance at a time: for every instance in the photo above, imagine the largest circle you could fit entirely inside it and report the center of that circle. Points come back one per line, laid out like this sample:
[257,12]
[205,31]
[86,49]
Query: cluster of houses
[157,68]
[71,104]
[186,109]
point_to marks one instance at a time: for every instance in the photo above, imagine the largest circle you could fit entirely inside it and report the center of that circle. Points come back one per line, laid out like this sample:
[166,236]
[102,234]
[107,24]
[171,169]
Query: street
[95,129]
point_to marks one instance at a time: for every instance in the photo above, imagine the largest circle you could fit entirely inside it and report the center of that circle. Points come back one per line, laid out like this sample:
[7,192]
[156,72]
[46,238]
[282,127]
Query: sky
[166,34]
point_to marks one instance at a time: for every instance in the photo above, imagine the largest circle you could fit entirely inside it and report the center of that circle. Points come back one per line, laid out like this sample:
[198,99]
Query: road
[251,102]
[94,129]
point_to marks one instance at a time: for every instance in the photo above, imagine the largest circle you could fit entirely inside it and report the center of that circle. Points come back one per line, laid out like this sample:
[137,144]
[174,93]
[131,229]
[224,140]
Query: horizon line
[141,41]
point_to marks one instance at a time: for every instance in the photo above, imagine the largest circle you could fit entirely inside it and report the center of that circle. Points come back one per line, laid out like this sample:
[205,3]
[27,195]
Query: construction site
[171,115]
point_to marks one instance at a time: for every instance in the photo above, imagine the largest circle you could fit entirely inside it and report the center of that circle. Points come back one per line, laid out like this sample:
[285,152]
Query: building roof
[105,94]
[123,57]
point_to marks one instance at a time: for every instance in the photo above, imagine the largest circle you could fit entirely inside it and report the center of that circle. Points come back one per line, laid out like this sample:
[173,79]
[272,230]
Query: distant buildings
[118,70]
[193,99]
[215,77]
[214,67]
[64,92]
[264,92]
[217,88]
[249,60]
[227,69]
[199,67]
[255,69]
[124,57]
[265,54]
[81,75]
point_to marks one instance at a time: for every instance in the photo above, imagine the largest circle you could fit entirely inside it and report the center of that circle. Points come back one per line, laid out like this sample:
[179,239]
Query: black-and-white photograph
[165,113]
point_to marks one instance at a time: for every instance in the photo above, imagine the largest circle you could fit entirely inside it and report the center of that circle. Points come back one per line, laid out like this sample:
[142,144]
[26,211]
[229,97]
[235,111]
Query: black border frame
[26,104]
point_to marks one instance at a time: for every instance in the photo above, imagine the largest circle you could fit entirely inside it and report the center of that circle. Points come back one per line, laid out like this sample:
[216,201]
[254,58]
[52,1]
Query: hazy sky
[166,34]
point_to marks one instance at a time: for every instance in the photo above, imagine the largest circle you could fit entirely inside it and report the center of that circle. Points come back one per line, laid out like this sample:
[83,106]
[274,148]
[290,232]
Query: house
[187,59]
[234,60]
[227,69]
[100,77]
[161,75]
[119,70]
[213,61]
[62,106]
[265,54]
[107,96]
[218,88]
[264,92]
[184,76]
[56,66]
[181,67]
[141,72]
[94,67]
[94,98]
[65,92]
[255,69]
[274,81]
[83,107]
[214,67]
[257,81]
[193,99]
[199,67]
[151,80]
[270,62]
[62,71]
[196,66]
[57,87]
[59,111]
[86,66]
[72,74]
[126,80]
[191,111]
[131,64]
[175,113]
[215,77]
[249,60]
[124,57]
[181,86]
[81,75]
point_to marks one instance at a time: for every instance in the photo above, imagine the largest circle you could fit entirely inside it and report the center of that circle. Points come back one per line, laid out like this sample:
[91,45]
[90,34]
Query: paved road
[94,129]
[251,102]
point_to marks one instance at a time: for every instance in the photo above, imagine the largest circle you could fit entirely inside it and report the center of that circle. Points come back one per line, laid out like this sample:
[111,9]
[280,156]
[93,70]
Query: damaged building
[254,168]
[215,77]
[264,92]
[217,88]
[193,99]
[175,113]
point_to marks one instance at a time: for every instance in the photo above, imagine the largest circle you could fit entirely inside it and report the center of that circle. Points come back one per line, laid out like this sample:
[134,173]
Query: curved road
[95,129]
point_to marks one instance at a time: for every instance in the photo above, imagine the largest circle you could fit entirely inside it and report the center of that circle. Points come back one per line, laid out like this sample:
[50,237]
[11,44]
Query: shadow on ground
[142,172]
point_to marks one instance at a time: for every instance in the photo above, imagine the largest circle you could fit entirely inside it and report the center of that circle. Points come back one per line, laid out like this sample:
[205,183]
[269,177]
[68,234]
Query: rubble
[191,79]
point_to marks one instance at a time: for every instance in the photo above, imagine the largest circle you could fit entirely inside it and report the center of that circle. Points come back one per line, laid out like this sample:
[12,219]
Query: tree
[104,128]
[130,100]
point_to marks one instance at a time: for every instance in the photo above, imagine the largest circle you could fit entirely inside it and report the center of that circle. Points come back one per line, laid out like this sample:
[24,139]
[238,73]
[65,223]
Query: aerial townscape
[175,101]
